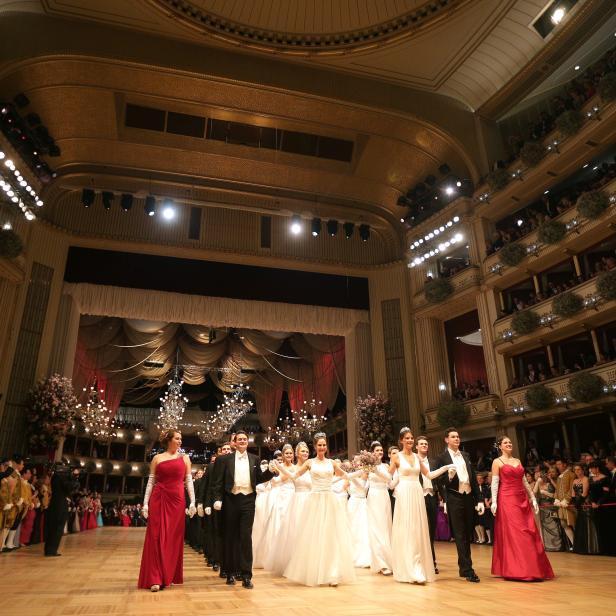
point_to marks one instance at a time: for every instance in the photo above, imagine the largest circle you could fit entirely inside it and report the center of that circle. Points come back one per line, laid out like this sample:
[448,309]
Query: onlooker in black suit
[607,513]
[63,484]
[234,492]
[430,493]
[460,492]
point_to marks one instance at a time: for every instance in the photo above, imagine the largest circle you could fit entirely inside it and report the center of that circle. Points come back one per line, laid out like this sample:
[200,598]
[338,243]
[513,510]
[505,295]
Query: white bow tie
[241,456]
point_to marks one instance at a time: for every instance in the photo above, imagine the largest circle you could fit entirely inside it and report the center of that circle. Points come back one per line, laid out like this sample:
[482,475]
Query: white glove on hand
[535,506]
[7,507]
[208,511]
[200,512]
[144,512]
[218,505]
[20,502]
[451,473]
[493,508]
[445,508]
[263,466]
[191,510]
[481,508]
[272,467]
[556,503]
[563,503]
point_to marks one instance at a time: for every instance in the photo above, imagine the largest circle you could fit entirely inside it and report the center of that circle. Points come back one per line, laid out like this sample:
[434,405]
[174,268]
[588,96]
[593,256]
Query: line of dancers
[314,522]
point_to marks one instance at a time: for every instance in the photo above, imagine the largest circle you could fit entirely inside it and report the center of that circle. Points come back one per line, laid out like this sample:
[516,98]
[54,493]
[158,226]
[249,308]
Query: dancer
[357,510]
[163,549]
[234,493]
[323,551]
[258,527]
[460,494]
[412,556]
[518,550]
[379,514]
[430,496]
[562,497]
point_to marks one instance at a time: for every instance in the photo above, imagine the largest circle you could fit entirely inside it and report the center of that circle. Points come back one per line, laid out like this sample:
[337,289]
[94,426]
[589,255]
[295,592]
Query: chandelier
[304,424]
[173,405]
[310,418]
[96,417]
[232,409]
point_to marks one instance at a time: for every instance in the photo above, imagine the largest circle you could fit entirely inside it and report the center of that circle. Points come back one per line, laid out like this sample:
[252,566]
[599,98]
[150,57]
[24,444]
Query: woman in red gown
[164,508]
[518,552]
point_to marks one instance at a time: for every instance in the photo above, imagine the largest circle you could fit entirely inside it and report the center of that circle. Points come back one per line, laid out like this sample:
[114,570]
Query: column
[65,337]
[431,361]
[487,316]
[359,376]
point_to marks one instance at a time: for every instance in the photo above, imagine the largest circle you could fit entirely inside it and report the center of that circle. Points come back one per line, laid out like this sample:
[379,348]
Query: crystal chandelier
[173,405]
[96,417]
[310,418]
[227,414]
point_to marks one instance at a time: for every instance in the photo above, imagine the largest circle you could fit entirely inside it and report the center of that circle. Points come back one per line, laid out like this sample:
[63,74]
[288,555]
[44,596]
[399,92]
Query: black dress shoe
[247,583]
[222,574]
[230,580]
[436,569]
[215,567]
[56,554]
[473,577]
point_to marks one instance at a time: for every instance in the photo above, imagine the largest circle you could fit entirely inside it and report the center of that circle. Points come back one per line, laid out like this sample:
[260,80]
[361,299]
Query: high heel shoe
[155,587]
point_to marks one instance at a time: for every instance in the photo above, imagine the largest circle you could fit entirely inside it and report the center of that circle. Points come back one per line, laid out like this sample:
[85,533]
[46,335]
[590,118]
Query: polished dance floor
[97,574]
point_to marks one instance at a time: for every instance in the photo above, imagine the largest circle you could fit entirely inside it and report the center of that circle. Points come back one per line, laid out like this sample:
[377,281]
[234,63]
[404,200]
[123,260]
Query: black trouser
[54,523]
[239,515]
[36,527]
[431,510]
[461,513]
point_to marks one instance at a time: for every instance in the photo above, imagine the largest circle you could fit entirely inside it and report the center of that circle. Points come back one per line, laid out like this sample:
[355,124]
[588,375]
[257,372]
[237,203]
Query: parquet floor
[98,571]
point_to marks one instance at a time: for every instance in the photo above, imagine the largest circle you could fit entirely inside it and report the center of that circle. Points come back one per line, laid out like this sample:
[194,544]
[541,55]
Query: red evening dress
[518,550]
[163,550]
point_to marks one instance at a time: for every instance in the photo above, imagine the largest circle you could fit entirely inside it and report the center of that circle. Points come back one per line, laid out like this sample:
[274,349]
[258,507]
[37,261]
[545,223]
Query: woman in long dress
[585,535]
[411,550]
[258,526]
[357,509]
[272,535]
[295,515]
[164,506]
[518,552]
[379,514]
[323,550]
[545,491]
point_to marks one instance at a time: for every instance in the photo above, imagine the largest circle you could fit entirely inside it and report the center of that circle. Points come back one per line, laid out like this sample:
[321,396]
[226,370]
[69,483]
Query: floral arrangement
[593,203]
[512,254]
[551,232]
[586,387]
[367,460]
[567,304]
[525,322]
[452,413]
[374,415]
[606,284]
[539,397]
[607,87]
[498,179]
[11,245]
[569,122]
[438,290]
[52,408]
[532,153]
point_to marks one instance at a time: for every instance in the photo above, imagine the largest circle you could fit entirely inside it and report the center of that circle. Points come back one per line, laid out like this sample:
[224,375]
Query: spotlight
[576,67]
[168,212]
[150,205]
[449,190]
[557,15]
[316,227]
[126,202]
[87,197]
[107,199]
[520,222]
[348,229]
[364,232]
[296,224]
[7,226]
[332,227]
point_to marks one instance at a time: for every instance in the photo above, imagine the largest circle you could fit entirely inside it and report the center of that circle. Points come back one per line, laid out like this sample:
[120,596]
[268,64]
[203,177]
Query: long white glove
[494,489]
[188,482]
[148,493]
[481,508]
[531,495]
[208,511]
[217,505]
[7,507]
[200,511]
[441,471]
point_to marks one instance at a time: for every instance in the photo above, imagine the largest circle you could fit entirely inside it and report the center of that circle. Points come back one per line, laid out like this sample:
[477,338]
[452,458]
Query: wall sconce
[485,198]
[442,387]
[610,388]
[573,225]
[547,320]
[507,335]
[517,174]
[553,147]
[594,113]
[532,249]
[497,268]
[562,401]
[591,301]
[519,410]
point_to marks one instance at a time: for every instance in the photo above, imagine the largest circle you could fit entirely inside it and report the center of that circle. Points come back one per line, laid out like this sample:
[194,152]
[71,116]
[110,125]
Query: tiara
[319,435]
[405,430]
[375,444]
[287,446]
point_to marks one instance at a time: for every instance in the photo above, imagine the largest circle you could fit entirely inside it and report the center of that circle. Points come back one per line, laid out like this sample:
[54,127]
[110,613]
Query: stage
[97,575]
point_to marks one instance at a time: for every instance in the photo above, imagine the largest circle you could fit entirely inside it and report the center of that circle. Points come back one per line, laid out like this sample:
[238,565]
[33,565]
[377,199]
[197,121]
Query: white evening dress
[357,509]
[340,489]
[379,520]
[410,540]
[290,524]
[323,550]
[272,535]
[258,525]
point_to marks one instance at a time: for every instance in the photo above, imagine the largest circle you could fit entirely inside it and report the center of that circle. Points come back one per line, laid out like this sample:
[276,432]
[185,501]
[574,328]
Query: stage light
[150,205]
[456,219]
[449,190]
[520,222]
[7,226]
[576,67]
[364,232]
[348,229]
[557,15]
[315,227]
[126,202]
[87,197]
[168,212]
[296,224]
[459,184]
[332,227]
[2,155]
[107,199]
[458,237]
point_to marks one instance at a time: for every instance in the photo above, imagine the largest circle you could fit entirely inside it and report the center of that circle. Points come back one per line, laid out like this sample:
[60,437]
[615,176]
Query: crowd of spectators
[470,391]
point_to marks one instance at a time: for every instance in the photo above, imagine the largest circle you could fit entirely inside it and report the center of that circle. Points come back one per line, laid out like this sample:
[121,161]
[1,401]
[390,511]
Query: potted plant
[586,387]
[532,153]
[438,290]
[607,87]
[525,322]
[551,232]
[569,122]
[452,413]
[11,245]
[606,284]
[512,254]
[498,179]
[539,397]
[567,304]
[593,203]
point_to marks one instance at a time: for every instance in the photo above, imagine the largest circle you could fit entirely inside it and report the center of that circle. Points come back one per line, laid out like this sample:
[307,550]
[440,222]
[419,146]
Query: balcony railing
[480,409]
[468,278]
[576,226]
[515,399]
[593,303]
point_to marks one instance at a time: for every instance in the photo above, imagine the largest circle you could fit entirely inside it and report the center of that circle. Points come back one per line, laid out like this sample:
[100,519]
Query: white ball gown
[357,509]
[411,551]
[323,550]
[272,536]
[291,523]
[258,526]
[379,519]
